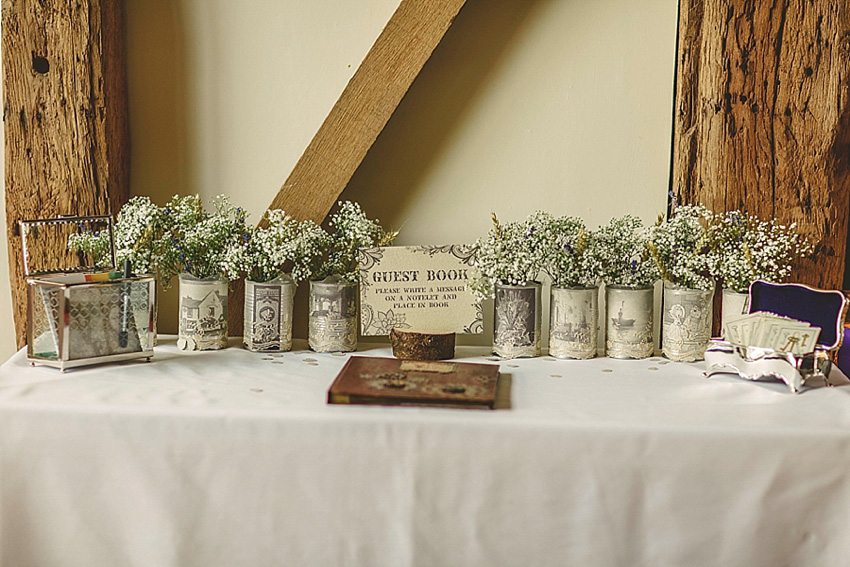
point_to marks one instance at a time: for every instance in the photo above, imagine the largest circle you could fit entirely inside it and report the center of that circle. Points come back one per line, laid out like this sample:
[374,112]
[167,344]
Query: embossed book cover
[390,381]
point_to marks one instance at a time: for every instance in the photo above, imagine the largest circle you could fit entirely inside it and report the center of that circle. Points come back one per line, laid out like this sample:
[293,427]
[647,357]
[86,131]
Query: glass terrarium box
[80,308]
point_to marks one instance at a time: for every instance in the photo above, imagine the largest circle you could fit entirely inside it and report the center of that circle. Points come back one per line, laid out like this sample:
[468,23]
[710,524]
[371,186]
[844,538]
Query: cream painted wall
[564,105]
[561,105]
[225,95]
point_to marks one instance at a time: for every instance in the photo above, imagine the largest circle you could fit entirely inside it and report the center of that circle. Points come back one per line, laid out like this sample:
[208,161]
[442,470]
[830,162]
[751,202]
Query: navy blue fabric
[820,308]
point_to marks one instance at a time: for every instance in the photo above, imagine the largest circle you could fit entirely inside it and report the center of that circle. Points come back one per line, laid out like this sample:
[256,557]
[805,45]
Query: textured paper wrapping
[418,288]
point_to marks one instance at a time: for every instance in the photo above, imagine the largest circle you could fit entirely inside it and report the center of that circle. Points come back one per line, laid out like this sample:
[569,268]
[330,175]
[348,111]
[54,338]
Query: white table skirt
[234,458]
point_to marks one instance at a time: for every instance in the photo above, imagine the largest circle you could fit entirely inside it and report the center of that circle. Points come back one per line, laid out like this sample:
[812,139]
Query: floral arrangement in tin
[744,249]
[180,237]
[139,235]
[680,246]
[512,253]
[622,255]
[689,249]
[279,244]
[571,251]
[351,231]
[198,241]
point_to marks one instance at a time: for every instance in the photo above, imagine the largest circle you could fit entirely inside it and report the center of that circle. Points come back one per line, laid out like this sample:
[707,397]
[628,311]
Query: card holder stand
[759,364]
[820,308]
[74,322]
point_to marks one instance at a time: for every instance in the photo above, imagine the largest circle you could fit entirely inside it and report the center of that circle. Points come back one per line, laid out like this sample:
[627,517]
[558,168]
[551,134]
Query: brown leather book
[394,382]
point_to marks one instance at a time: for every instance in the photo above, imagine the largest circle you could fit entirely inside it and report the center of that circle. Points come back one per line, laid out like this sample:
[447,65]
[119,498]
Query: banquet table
[235,458]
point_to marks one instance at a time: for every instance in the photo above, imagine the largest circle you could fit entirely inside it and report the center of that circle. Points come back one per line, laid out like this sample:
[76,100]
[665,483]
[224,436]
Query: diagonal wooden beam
[364,107]
[65,118]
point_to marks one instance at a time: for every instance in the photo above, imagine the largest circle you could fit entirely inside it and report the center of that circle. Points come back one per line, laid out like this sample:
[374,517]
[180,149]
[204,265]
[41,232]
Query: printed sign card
[423,289]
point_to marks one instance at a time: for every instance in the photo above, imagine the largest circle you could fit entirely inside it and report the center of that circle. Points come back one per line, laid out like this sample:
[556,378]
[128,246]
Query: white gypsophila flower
[202,243]
[351,231]
[679,247]
[281,244]
[745,249]
[139,234]
[622,253]
[512,253]
[569,255]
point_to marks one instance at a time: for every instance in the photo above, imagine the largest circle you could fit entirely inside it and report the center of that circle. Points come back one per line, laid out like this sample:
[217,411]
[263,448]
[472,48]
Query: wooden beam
[762,118]
[364,107]
[65,118]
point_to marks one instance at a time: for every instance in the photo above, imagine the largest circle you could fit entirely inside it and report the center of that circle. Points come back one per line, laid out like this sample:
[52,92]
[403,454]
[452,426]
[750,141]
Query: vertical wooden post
[762,118]
[65,117]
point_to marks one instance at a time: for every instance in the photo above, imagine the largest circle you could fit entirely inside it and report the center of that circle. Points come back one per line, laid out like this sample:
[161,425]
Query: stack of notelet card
[767,330]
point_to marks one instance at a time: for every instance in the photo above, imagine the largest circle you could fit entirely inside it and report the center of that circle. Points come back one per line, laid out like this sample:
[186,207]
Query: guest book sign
[423,289]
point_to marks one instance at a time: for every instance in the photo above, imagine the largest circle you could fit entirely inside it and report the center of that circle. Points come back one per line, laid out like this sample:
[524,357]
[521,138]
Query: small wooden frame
[422,346]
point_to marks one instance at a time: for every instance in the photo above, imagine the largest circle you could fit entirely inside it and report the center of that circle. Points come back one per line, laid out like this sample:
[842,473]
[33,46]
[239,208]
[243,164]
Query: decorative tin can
[628,321]
[268,314]
[78,314]
[686,323]
[573,322]
[734,305]
[333,315]
[203,313]
[517,318]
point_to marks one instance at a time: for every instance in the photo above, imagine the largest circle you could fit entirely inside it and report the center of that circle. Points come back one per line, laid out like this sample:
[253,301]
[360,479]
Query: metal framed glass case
[79,311]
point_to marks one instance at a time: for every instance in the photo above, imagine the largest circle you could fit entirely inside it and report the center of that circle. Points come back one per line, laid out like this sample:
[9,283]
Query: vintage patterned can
[516,320]
[628,321]
[686,323]
[735,304]
[573,322]
[203,313]
[333,315]
[268,314]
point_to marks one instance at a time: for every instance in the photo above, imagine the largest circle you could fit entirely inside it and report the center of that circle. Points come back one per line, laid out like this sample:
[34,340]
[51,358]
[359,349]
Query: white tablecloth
[234,458]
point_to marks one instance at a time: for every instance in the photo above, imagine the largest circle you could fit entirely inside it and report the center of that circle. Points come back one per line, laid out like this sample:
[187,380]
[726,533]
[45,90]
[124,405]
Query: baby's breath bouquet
[622,255]
[351,232]
[138,233]
[512,253]
[570,259]
[281,243]
[745,249]
[680,247]
[198,240]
